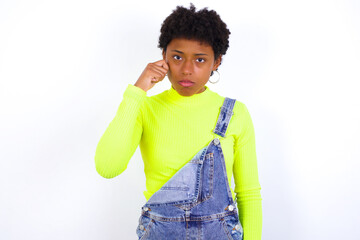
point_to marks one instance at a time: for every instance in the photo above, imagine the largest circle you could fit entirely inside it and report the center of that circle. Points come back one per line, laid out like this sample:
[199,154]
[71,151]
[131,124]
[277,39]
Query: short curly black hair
[204,25]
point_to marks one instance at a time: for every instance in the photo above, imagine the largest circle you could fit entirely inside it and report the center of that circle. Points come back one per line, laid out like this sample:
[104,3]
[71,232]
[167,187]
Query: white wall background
[64,66]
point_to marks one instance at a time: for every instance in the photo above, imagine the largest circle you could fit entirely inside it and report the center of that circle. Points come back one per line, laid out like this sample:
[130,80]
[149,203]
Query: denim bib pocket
[144,227]
[233,227]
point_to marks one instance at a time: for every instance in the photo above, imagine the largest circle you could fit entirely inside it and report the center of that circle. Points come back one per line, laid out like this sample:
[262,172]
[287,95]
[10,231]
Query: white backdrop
[64,66]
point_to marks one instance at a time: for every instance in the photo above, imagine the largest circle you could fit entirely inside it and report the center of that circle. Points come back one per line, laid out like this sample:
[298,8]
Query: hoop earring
[217,79]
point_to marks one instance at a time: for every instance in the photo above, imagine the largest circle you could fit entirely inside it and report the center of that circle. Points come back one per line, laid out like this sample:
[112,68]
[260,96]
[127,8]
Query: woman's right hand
[152,74]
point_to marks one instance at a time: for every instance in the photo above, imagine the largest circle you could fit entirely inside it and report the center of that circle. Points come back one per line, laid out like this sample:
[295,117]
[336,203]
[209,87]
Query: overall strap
[226,112]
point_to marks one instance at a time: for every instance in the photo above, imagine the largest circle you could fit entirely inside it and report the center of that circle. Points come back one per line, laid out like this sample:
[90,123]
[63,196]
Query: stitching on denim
[147,230]
[200,230]
[210,156]
[226,112]
[211,180]
[175,188]
[225,175]
[232,224]
[224,224]
[212,164]
[211,217]
[199,201]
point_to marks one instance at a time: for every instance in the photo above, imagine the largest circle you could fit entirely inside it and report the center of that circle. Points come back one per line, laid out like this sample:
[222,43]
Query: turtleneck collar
[195,99]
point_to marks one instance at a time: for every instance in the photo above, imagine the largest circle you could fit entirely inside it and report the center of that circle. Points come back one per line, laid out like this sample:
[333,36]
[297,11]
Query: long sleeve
[121,138]
[247,186]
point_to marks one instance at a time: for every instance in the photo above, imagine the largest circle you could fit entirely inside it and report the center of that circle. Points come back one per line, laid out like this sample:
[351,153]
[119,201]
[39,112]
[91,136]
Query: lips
[186,83]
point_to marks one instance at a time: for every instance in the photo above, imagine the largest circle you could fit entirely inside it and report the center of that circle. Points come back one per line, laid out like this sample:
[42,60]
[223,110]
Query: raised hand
[152,74]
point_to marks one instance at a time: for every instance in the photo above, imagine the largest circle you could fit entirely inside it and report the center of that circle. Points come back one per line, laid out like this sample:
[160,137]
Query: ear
[217,63]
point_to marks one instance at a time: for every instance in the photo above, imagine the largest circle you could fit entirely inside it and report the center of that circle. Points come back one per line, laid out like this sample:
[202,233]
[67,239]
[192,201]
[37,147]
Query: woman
[189,136]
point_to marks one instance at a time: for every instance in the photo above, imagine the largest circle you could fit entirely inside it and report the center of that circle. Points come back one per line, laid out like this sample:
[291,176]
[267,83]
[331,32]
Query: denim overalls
[196,203]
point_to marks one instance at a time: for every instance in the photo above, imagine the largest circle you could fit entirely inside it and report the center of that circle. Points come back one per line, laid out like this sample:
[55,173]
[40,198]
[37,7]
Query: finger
[158,72]
[162,70]
[162,63]
[156,79]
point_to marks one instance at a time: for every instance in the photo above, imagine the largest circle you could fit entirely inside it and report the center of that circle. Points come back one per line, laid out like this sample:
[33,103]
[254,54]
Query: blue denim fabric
[196,203]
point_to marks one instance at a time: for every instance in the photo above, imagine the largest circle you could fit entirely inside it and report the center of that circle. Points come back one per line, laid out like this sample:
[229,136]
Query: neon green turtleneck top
[171,129]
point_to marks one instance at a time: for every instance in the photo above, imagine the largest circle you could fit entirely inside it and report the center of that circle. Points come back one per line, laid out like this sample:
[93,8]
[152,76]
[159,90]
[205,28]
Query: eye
[201,60]
[177,57]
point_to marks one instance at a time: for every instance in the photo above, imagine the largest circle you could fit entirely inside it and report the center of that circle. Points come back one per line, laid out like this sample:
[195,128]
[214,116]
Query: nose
[187,67]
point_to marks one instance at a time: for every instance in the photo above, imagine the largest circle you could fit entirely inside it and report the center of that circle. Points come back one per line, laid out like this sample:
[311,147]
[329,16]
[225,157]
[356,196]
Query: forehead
[189,46]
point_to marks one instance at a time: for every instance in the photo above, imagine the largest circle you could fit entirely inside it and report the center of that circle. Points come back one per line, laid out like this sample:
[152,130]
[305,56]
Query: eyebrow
[196,54]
